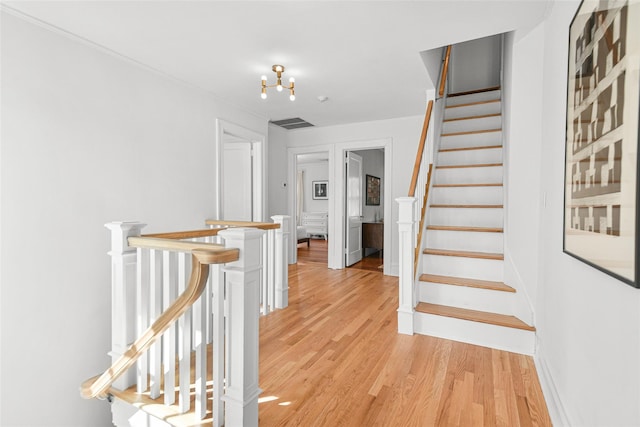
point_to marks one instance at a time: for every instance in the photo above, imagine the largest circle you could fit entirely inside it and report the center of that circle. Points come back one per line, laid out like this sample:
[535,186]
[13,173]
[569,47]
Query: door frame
[337,232]
[258,142]
[292,169]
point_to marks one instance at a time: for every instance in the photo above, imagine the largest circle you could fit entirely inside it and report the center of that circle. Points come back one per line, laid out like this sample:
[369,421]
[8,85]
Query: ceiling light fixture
[278,69]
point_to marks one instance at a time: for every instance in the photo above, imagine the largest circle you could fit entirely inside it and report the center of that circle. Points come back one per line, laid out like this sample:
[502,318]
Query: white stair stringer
[464,236]
[477,333]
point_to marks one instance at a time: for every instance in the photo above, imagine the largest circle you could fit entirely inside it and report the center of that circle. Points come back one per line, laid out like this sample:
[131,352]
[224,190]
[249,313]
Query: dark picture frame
[373,190]
[602,155]
[320,190]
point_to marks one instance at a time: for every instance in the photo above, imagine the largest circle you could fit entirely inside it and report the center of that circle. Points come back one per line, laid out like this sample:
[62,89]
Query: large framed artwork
[601,221]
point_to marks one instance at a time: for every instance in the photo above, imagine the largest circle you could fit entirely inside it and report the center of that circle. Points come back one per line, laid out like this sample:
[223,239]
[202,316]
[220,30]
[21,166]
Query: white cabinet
[316,223]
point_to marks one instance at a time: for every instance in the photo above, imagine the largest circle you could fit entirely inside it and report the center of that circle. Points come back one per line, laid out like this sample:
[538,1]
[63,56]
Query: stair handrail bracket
[174,294]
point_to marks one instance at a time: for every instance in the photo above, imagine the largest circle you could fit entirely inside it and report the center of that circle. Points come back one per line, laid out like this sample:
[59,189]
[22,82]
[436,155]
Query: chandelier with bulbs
[278,69]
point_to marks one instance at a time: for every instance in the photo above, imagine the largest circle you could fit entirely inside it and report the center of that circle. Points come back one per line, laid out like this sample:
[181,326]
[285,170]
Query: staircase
[461,291]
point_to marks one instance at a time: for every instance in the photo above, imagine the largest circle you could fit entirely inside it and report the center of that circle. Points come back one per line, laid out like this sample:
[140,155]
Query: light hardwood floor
[334,357]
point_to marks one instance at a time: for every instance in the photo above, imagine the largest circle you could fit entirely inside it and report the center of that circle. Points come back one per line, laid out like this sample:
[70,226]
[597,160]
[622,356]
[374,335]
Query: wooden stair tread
[474,316]
[483,165]
[470,283]
[484,147]
[478,116]
[471,132]
[495,184]
[465,254]
[471,92]
[473,103]
[467,206]
[465,228]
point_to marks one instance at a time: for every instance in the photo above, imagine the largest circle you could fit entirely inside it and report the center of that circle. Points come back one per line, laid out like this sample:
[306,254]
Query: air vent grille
[293,123]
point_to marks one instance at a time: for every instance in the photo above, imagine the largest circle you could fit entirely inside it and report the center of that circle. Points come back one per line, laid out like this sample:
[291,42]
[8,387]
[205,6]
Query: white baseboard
[556,409]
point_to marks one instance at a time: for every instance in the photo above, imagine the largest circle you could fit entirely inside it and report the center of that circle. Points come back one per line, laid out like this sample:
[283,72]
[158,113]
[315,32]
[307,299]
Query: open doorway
[364,209]
[312,197]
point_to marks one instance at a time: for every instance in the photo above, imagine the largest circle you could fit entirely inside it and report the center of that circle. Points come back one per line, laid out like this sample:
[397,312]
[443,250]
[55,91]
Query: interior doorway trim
[338,231]
[258,141]
[292,168]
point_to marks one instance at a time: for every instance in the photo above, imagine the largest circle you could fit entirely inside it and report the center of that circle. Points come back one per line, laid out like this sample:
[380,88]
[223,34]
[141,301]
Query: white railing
[150,277]
[413,208]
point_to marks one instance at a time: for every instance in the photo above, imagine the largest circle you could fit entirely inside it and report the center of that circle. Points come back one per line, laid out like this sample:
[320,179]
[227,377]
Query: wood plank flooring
[334,358]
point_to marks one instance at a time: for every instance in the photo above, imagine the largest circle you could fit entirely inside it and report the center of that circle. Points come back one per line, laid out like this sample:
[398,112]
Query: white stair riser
[473,97]
[483,123]
[470,157]
[467,195]
[481,217]
[472,241]
[472,110]
[466,297]
[470,268]
[484,175]
[471,140]
[499,337]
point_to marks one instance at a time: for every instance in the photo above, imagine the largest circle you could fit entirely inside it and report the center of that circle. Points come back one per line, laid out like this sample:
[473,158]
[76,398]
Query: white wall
[314,171]
[87,138]
[588,324]
[523,133]
[405,134]
[372,164]
[475,64]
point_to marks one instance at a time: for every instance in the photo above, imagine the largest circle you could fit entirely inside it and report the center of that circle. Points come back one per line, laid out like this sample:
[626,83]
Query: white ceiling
[363,55]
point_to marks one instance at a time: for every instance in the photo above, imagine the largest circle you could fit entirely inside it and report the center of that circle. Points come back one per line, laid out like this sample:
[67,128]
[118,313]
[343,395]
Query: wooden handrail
[260,225]
[423,139]
[197,283]
[445,69]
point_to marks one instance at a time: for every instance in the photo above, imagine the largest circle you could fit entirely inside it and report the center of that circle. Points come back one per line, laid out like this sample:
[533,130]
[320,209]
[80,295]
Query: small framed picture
[373,190]
[320,190]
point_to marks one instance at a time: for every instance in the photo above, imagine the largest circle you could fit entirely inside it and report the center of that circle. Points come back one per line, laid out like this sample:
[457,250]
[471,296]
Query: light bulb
[263,78]
[291,80]
[292,97]
[279,88]
[263,95]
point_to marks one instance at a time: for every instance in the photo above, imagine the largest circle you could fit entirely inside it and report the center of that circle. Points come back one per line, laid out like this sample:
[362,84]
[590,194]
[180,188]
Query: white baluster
[406,221]
[243,298]
[200,349]
[169,294]
[281,256]
[217,276]
[123,294]
[155,310]
[184,340]
[264,288]
[270,268]
[143,319]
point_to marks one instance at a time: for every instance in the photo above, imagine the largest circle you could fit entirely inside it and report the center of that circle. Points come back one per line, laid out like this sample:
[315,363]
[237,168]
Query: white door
[237,182]
[353,224]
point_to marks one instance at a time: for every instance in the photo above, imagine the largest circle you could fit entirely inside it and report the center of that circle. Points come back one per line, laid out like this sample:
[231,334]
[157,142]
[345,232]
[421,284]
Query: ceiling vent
[294,123]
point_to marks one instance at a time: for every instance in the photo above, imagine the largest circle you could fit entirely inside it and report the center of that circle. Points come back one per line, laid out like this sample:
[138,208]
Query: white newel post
[406,225]
[281,257]
[123,294]
[242,327]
